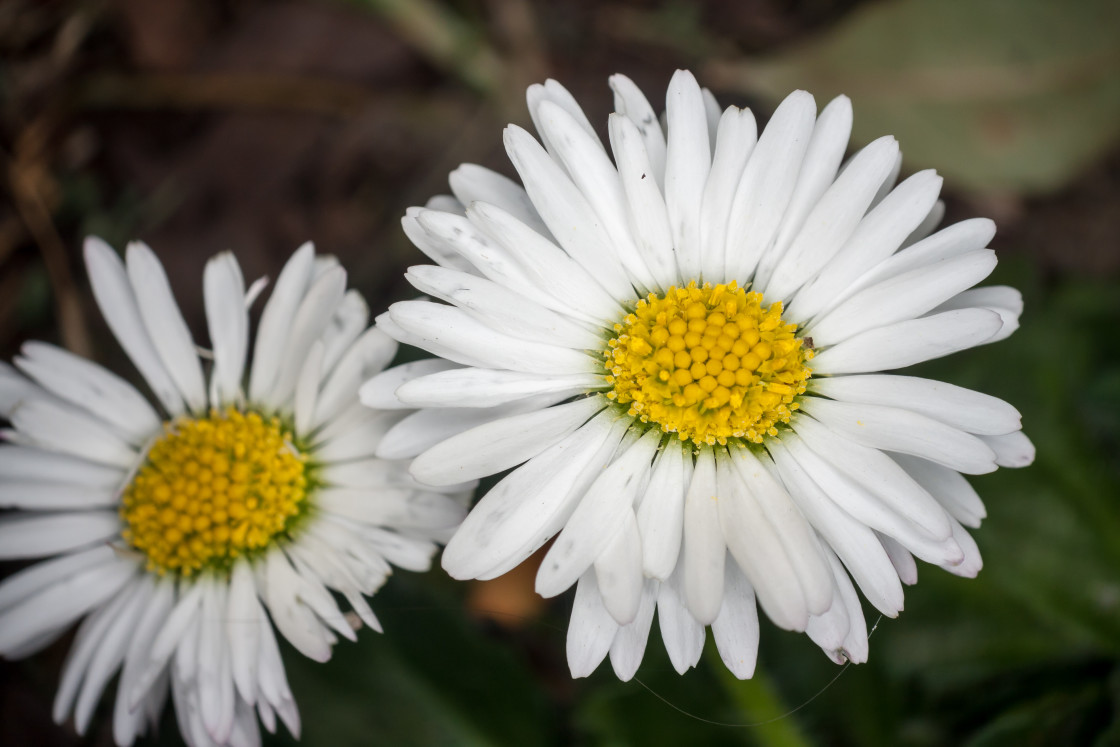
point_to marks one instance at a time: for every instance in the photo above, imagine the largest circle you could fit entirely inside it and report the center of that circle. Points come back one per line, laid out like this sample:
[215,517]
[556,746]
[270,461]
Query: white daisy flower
[681,349]
[179,530]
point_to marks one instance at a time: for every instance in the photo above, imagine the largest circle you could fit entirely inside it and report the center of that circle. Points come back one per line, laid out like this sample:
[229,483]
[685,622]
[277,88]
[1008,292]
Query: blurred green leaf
[998,95]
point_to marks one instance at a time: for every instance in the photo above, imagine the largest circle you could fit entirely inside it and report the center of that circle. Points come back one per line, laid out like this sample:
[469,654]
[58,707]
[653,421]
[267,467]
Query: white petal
[972,563]
[60,427]
[590,630]
[554,92]
[592,172]
[307,388]
[1002,299]
[735,139]
[789,527]
[682,635]
[648,216]
[242,623]
[930,223]
[874,240]
[687,162]
[902,297]
[92,388]
[177,628]
[566,211]
[618,569]
[906,343]
[895,429]
[968,235]
[599,516]
[1012,449]
[392,507]
[902,560]
[953,405]
[498,445]
[46,496]
[117,301]
[704,548]
[735,630]
[18,463]
[345,326]
[472,183]
[504,310]
[215,678]
[37,536]
[854,647]
[629,645]
[949,487]
[276,321]
[631,103]
[128,723]
[767,184]
[227,317]
[531,504]
[164,322]
[852,540]
[39,576]
[540,269]
[380,391]
[434,248]
[661,512]
[63,601]
[365,358]
[833,220]
[310,322]
[485,387]
[454,334]
[826,149]
[289,595]
[875,471]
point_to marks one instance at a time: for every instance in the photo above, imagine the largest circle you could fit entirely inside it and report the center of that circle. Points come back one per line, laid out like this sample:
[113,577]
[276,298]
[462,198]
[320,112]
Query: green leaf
[998,95]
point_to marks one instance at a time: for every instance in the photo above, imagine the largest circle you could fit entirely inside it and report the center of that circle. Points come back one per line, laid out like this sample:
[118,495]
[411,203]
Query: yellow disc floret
[708,363]
[213,489]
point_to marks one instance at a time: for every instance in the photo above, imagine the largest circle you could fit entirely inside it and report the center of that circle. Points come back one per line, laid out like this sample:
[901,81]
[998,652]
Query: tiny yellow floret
[708,363]
[214,489]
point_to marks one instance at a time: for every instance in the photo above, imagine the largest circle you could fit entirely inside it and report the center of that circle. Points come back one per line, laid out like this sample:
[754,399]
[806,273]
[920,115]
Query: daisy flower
[178,529]
[681,347]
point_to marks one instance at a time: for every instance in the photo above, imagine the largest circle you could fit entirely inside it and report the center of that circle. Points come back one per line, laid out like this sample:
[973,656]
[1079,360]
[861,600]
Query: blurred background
[199,126]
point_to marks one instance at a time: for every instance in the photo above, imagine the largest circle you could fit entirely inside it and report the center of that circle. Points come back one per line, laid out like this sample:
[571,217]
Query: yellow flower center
[708,364]
[213,489]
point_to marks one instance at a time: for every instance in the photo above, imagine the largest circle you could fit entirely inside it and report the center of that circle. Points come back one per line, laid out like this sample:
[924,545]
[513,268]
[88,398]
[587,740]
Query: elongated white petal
[472,183]
[26,463]
[242,628]
[595,176]
[61,427]
[735,630]
[498,445]
[687,163]
[531,504]
[37,536]
[648,216]
[852,540]
[92,388]
[704,548]
[949,487]
[484,387]
[767,184]
[895,429]
[906,343]
[380,392]
[467,340]
[591,629]
[227,318]
[682,634]
[365,358]
[902,297]
[1012,449]
[833,220]
[1004,300]
[631,103]
[166,327]
[661,513]
[48,496]
[288,598]
[735,138]
[117,301]
[962,408]
[553,92]
[599,516]
[566,211]
[618,570]
[505,310]
[878,235]
[629,644]
[276,321]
